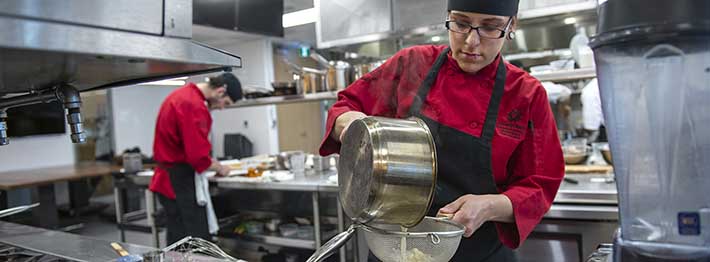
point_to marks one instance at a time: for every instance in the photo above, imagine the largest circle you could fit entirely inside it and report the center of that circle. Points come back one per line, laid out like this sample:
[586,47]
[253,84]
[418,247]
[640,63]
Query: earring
[511,35]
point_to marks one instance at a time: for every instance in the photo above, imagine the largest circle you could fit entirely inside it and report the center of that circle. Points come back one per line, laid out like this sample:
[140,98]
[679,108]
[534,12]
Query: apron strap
[425,86]
[489,125]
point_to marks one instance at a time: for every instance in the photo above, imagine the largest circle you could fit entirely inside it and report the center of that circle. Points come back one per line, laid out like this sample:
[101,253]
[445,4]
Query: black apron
[184,216]
[464,163]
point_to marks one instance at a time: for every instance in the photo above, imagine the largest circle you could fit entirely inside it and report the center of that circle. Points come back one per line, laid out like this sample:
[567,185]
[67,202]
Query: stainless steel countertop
[63,245]
[592,189]
[311,181]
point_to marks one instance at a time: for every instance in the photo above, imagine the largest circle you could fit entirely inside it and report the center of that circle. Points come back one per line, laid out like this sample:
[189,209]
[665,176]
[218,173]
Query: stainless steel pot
[387,171]
[386,175]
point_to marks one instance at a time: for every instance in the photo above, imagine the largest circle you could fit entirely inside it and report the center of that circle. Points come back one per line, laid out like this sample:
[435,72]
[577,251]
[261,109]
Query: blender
[653,66]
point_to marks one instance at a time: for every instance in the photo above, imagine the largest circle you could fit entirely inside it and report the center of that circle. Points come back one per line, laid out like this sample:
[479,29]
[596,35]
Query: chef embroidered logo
[513,115]
[512,128]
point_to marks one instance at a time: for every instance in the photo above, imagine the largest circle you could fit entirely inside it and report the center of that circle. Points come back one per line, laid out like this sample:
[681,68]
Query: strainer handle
[332,245]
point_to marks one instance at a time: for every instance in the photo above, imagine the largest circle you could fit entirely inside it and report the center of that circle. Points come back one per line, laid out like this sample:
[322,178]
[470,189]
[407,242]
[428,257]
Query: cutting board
[584,169]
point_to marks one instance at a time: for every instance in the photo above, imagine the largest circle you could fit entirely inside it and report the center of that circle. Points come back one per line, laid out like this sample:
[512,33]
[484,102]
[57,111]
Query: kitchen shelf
[557,9]
[566,75]
[289,99]
[540,54]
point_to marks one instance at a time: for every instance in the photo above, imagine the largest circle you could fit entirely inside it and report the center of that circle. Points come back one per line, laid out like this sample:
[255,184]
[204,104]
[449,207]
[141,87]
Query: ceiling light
[302,17]
[180,81]
[436,38]
[570,20]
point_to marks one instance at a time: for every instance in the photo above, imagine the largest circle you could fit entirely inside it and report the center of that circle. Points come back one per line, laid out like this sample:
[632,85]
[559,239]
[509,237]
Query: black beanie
[234,88]
[489,7]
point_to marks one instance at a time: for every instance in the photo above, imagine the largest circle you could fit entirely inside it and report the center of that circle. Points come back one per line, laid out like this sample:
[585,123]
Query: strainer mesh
[421,248]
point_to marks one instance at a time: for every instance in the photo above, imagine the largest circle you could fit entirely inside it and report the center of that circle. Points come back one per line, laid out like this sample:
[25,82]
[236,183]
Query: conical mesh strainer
[432,240]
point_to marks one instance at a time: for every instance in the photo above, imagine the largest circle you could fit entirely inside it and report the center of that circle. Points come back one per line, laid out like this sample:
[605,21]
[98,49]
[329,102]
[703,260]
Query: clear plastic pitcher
[656,101]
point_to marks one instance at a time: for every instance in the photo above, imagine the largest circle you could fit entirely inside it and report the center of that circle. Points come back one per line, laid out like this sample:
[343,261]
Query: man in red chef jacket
[499,156]
[182,150]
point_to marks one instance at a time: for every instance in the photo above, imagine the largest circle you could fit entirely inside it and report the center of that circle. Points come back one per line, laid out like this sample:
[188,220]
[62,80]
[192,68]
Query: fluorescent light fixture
[302,17]
[570,20]
[167,82]
[436,38]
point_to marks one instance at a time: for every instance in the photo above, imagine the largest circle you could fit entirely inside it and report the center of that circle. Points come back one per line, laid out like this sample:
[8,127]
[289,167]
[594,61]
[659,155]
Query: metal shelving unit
[566,75]
[277,240]
[289,99]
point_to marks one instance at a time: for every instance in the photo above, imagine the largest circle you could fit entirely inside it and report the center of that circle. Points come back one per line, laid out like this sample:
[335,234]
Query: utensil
[284,88]
[387,170]
[571,180]
[575,151]
[125,256]
[606,153]
[573,159]
[18,209]
[386,175]
[434,239]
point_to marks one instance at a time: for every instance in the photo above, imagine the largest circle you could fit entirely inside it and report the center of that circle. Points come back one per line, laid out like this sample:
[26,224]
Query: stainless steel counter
[63,245]
[309,182]
[592,189]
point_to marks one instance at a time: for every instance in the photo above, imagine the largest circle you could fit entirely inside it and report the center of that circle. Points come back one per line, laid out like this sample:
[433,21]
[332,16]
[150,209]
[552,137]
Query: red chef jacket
[527,161]
[181,136]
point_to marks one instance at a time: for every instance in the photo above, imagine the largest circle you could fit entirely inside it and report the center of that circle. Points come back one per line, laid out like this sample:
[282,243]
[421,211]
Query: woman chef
[499,156]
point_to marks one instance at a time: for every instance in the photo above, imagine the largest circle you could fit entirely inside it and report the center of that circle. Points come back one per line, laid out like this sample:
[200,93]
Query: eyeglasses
[489,32]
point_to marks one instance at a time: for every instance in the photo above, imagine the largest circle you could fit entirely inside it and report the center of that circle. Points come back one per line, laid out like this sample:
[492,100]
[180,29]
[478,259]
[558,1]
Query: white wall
[257,71]
[258,124]
[37,152]
[135,108]
[134,111]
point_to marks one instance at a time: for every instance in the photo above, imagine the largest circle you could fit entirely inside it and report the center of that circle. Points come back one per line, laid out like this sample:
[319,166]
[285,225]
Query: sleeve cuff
[202,164]
[329,145]
[527,214]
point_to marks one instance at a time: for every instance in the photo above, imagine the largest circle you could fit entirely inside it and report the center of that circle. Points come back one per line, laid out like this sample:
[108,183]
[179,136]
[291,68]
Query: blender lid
[650,20]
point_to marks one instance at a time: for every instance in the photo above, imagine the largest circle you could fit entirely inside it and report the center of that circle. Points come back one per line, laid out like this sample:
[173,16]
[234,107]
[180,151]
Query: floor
[104,227]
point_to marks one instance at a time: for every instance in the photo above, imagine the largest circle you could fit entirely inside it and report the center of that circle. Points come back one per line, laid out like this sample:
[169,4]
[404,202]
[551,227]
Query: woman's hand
[343,122]
[474,210]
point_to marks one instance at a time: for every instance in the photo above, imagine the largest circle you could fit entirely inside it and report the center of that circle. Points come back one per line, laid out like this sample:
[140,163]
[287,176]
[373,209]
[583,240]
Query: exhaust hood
[97,44]
[51,49]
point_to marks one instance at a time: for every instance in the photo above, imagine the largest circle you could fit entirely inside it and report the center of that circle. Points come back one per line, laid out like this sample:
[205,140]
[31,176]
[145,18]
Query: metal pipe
[66,94]
[71,100]
[17,101]
[316,218]
[29,99]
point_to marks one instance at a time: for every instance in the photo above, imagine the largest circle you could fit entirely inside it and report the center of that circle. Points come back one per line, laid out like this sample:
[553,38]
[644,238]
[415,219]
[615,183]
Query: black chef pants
[184,216]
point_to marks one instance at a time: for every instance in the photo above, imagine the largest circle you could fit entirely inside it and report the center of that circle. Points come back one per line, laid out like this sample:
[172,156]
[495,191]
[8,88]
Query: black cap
[489,7]
[234,88]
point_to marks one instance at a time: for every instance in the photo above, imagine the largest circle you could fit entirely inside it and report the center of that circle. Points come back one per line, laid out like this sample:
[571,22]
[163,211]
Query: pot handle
[332,245]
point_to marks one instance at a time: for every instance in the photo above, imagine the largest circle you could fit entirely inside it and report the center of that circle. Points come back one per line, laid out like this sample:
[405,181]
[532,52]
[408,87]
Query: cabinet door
[409,14]
[340,20]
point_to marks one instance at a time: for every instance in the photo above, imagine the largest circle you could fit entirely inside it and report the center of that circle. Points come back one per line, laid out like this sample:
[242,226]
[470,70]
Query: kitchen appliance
[386,175]
[51,51]
[653,66]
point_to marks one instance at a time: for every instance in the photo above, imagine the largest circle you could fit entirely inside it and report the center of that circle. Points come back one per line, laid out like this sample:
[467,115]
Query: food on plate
[236,165]
[254,172]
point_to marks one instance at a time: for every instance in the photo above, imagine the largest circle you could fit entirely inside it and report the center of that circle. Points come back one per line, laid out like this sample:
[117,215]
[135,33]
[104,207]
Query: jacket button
[473,124]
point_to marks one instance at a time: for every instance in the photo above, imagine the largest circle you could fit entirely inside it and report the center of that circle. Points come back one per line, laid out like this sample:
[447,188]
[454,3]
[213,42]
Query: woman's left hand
[474,210]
